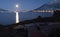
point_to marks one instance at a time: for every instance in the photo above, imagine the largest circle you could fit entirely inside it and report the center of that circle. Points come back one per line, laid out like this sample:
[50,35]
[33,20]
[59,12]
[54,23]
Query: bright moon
[17,5]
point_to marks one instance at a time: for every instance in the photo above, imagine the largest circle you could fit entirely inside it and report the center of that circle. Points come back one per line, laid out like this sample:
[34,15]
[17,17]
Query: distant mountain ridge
[3,9]
[53,6]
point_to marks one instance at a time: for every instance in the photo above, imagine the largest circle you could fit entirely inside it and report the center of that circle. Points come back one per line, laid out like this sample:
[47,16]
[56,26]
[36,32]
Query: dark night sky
[23,4]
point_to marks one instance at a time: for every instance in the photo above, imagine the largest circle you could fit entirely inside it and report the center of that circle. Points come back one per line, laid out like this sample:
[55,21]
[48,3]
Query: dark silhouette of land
[16,30]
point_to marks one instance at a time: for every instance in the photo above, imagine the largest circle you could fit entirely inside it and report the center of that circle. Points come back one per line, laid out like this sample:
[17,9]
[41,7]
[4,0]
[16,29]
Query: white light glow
[17,5]
[17,17]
